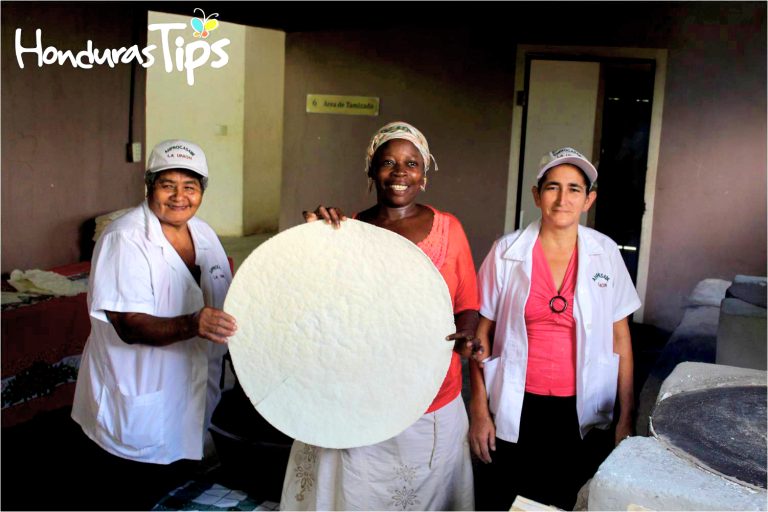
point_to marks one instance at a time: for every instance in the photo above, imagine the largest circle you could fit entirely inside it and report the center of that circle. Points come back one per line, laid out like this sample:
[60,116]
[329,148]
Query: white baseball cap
[567,156]
[178,154]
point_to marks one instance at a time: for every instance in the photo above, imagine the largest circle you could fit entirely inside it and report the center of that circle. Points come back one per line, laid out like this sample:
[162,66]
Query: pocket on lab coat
[134,422]
[605,375]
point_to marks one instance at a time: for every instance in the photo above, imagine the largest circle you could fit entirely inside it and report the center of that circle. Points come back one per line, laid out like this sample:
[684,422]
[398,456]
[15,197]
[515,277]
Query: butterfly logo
[203,26]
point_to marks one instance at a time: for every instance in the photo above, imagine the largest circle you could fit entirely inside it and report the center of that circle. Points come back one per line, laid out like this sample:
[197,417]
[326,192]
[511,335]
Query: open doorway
[623,156]
[605,102]
[235,113]
[603,109]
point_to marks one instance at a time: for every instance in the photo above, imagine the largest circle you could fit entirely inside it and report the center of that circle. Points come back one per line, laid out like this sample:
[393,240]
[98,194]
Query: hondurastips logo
[186,56]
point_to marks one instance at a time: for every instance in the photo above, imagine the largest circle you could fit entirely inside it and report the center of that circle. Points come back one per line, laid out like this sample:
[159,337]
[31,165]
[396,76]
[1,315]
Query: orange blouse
[448,248]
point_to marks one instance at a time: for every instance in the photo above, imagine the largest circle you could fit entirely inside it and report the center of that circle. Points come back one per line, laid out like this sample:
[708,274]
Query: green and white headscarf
[399,130]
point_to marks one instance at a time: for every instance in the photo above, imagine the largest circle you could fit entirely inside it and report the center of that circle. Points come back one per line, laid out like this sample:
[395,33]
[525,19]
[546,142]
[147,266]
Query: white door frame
[660,57]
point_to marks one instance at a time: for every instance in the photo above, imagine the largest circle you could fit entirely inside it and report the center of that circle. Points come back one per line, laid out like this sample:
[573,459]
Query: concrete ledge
[640,471]
[708,292]
[741,335]
[738,307]
[750,289]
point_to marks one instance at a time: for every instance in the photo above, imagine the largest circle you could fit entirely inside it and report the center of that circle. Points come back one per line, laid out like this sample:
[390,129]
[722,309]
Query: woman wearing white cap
[428,466]
[149,373]
[555,298]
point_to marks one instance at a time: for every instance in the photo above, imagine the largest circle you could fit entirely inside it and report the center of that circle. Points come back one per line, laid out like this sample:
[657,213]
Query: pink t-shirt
[551,336]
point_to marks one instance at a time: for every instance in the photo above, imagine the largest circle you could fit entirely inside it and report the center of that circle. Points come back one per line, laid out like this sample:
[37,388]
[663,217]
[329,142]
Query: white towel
[46,283]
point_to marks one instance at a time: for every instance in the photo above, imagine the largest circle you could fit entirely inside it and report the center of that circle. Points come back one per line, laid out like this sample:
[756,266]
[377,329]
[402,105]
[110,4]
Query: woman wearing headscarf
[555,300]
[428,466]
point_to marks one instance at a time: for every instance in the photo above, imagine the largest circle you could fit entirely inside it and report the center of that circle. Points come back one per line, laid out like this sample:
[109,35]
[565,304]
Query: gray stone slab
[642,472]
[708,292]
[751,289]
[741,335]
[739,307]
[743,278]
[721,429]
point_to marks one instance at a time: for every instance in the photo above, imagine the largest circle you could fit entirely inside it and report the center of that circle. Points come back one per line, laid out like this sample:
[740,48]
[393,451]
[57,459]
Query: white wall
[263,145]
[235,113]
[177,110]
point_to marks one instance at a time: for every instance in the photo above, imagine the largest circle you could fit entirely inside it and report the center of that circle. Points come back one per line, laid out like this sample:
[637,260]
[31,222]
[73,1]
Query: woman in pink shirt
[555,298]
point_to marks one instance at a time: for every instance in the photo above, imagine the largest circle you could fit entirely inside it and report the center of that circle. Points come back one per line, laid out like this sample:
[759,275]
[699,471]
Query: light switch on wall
[221,129]
[134,152]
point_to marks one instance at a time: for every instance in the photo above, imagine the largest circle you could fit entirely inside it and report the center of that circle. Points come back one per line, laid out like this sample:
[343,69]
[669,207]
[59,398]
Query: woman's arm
[465,294]
[482,431]
[465,342]
[622,345]
[140,328]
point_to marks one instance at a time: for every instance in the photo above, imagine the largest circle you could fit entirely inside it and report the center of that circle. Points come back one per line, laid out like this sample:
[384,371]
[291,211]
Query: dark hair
[151,177]
[583,175]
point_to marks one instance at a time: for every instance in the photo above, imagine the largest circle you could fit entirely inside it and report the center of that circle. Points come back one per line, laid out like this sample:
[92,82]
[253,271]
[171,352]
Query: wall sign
[348,105]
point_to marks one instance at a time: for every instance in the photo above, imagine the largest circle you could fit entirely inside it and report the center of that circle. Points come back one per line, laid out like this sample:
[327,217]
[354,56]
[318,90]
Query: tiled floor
[206,494]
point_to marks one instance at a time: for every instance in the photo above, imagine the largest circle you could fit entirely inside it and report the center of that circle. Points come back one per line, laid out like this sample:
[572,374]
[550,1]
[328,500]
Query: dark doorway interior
[623,161]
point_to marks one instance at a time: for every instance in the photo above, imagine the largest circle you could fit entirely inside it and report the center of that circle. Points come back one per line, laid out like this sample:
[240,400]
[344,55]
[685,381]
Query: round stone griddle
[720,429]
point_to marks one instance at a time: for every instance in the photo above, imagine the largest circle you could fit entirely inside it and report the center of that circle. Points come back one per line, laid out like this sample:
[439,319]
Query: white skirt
[426,467]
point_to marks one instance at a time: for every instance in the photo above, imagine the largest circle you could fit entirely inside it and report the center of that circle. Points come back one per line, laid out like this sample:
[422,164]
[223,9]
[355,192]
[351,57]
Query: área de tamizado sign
[349,105]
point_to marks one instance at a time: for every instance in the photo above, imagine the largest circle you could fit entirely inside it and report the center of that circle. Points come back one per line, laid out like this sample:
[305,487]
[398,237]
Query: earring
[424,186]
[370,184]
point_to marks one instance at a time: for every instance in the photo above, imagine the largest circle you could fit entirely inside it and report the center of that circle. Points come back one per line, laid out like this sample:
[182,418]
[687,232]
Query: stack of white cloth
[43,282]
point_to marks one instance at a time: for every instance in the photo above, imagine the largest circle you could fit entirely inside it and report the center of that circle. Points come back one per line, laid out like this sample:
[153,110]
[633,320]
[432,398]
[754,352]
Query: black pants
[108,482]
[549,463]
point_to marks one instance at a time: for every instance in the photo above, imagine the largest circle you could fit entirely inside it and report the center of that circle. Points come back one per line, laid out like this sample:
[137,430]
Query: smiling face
[563,197]
[397,169]
[175,197]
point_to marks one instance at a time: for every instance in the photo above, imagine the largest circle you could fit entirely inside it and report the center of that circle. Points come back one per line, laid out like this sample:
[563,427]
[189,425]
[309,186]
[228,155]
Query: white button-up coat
[604,294]
[142,402]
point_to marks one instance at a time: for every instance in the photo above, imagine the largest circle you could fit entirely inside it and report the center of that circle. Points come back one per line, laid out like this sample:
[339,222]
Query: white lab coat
[604,295]
[140,402]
